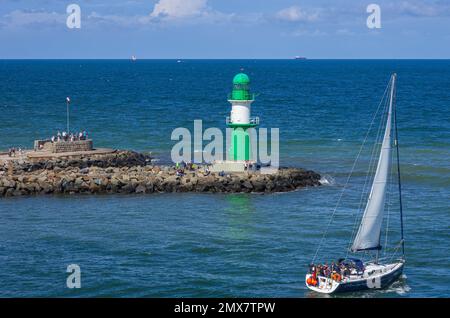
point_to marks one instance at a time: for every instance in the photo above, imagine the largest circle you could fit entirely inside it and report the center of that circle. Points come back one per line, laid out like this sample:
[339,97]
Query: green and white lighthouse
[240,119]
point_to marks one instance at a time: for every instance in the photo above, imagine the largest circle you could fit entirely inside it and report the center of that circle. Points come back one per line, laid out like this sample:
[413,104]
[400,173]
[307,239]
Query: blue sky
[225,29]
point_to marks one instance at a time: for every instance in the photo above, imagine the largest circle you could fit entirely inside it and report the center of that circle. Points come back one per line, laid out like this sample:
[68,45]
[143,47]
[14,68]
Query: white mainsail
[368,236]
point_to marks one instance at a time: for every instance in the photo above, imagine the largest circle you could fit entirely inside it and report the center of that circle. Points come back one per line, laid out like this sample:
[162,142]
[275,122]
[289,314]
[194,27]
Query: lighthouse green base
[240,144]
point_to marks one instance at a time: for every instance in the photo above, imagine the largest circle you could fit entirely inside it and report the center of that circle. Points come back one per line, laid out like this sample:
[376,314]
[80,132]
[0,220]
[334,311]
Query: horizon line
[212,59]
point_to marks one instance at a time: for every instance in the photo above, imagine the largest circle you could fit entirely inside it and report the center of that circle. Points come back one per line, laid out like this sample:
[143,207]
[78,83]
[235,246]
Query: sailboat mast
[398,165]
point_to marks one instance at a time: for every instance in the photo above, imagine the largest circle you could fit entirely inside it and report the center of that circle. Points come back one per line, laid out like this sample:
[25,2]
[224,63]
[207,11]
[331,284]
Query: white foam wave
[399,287]
[326,180]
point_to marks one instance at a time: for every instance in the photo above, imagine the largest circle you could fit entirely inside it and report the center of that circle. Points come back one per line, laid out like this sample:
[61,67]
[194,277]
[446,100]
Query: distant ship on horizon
[133,58]
[297,57]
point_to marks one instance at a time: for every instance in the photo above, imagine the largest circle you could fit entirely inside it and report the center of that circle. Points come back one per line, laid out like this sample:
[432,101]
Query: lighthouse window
[240,86]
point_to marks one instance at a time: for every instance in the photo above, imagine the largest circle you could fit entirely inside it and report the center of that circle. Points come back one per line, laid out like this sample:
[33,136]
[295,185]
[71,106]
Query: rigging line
[366,187]
[347,181]
[391,177]
[372,164]
[396,249]
[370,170]
[390,102]
[375,151]
[341,145]
[333,173]
[373,161]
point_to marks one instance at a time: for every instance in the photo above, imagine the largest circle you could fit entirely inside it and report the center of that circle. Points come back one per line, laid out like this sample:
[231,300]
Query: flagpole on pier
[67,104]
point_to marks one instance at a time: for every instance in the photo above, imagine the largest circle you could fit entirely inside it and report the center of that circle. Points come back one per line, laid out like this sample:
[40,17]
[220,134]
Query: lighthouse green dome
[241,79]
[241,87]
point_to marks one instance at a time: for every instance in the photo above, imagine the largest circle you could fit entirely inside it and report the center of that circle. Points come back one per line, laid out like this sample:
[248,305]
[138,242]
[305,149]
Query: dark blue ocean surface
[200,245]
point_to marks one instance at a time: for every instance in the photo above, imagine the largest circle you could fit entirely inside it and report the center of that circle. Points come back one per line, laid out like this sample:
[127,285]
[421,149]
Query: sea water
[214,245]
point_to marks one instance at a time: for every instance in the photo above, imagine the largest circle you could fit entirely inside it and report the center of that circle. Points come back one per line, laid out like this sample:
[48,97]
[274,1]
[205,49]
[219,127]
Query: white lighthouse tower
[240,120]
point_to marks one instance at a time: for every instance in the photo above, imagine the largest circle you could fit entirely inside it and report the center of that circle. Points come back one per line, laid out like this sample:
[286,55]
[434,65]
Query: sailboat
[352,274]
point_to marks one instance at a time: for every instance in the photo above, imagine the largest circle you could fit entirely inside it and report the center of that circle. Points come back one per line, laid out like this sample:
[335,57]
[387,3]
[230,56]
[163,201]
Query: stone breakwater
[114,159]
[129,172]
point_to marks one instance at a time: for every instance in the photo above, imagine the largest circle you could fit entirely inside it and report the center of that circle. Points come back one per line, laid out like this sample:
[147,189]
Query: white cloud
[19,18]
[187,11]
[119,20]
[173,9]
[422,9]
[296,14]
[184,11]
[309,33]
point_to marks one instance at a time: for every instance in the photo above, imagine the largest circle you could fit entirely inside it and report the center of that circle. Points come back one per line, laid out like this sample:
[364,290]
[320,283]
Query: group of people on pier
[336,271]
[12,152]
[65,136]
[183,166]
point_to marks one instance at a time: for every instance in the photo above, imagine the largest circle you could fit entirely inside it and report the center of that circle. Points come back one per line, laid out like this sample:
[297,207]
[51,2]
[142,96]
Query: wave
[327,180]
[399,287]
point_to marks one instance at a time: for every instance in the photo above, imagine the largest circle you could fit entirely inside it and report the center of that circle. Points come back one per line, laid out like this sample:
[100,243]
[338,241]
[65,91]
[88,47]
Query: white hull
[375,276]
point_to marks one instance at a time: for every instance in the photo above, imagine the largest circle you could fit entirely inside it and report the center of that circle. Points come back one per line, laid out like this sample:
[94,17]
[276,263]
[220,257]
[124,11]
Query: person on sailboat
[333,267]
[326,271]
[335,276]
[313,279]
[343,270]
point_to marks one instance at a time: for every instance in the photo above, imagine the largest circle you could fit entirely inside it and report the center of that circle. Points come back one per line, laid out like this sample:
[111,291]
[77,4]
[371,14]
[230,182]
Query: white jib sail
[368,236]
